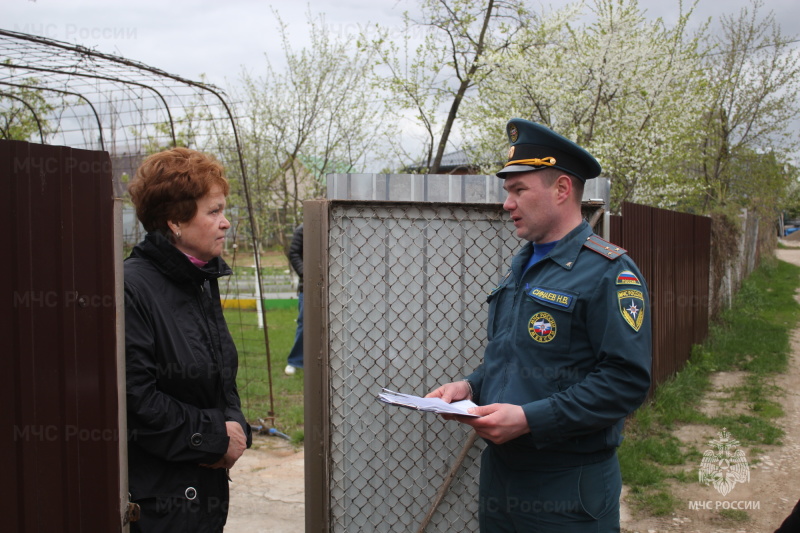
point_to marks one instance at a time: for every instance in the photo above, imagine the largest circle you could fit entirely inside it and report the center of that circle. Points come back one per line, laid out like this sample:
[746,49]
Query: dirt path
[267,494]
[774,470]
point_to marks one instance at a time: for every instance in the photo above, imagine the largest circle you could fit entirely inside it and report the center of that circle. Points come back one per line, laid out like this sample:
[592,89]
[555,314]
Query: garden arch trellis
[114,104]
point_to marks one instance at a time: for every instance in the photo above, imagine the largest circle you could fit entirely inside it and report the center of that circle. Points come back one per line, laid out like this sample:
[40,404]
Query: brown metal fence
[63,428]
[673,251]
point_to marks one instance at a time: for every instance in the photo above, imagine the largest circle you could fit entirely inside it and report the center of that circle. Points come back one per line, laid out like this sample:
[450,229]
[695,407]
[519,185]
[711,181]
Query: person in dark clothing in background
[185,422]
[295,359]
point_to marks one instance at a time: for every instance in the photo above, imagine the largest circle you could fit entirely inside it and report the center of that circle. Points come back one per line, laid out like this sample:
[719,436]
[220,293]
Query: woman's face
[203,236]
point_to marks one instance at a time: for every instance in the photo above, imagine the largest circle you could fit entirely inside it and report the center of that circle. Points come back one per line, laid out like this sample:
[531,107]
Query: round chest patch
[542,327]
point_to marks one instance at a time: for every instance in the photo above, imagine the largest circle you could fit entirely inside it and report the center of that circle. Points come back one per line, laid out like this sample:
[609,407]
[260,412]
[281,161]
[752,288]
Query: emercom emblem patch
[542,327]
[631,305]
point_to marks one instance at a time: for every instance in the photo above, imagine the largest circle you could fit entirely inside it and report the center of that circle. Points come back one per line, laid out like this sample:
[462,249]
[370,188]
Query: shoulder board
[603,247]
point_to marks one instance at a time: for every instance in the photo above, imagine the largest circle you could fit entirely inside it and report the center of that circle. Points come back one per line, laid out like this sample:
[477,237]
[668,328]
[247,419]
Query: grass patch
[655,503]
[752,336]
[253,378]
[734,515]
[638,471]
[749,429]
[250,271]
[676,400]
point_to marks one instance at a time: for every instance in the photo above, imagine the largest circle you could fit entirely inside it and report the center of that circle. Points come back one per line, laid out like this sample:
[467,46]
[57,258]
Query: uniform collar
[564,254]
[566,251]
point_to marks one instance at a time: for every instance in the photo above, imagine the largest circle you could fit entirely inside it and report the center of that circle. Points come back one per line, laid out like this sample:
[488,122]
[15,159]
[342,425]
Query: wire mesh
[104,102]
[407,286]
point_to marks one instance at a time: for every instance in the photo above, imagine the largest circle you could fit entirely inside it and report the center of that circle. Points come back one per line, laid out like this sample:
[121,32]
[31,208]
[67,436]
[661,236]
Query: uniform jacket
[181,366]
[296,254]
[569,340]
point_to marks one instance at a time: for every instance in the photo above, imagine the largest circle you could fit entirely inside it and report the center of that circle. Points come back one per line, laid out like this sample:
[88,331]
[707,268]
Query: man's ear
[564,188]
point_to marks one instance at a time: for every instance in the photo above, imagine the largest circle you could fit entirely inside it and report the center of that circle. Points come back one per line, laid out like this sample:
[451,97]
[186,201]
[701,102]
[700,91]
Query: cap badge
[513,133]
[511,152]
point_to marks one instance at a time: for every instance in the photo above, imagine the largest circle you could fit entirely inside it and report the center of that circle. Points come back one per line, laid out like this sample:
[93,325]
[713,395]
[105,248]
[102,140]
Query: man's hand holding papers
[432,405]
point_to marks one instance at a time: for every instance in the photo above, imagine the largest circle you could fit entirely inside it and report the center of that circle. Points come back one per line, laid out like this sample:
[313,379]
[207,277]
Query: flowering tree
[316,116]
[754,90]
[430,75]
[23,112]
[627,89]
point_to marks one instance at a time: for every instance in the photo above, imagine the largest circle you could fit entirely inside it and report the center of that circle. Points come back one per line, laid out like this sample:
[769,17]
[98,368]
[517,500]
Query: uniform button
[191,493]
[197,439]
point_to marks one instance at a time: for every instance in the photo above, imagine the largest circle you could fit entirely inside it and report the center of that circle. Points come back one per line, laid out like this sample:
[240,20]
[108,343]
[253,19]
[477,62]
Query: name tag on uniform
[552,297]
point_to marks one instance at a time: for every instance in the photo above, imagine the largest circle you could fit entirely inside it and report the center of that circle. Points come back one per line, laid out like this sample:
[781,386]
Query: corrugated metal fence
[673,251]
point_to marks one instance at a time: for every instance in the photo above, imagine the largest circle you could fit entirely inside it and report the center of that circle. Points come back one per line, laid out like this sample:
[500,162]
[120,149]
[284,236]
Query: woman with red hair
[185,422]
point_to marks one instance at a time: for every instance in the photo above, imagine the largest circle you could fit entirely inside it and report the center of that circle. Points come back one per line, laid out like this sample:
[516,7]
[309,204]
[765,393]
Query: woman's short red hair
[168,184]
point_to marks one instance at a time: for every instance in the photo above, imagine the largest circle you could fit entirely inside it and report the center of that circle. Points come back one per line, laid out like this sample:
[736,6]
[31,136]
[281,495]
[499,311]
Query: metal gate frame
[316,227]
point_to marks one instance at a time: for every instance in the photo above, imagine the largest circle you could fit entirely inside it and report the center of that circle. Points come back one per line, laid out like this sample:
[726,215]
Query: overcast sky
[221,37]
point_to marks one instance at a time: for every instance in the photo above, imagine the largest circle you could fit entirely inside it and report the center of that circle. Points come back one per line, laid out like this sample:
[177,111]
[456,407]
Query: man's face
[531,202]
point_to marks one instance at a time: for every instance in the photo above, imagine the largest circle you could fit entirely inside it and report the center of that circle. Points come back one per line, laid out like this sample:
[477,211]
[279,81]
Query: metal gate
[63,420]
[398,291]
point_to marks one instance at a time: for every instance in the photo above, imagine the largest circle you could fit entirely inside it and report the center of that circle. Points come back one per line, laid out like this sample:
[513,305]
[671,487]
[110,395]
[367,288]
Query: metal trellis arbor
[107,102]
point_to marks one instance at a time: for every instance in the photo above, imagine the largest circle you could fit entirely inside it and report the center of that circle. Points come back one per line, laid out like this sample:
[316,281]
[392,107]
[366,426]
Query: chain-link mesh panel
[407,292]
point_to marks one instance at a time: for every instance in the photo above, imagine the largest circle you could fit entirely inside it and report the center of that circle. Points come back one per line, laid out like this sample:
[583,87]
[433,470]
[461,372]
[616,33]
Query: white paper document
[432,405]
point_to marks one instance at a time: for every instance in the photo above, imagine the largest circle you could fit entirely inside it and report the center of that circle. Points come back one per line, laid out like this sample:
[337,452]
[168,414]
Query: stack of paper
[433,405]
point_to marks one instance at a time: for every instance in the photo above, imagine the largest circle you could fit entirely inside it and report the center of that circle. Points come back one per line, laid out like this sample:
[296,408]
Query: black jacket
[296,254]
[181,366]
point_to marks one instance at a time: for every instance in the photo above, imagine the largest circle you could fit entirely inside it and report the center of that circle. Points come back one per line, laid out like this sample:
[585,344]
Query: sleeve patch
[631,305]
[626,277]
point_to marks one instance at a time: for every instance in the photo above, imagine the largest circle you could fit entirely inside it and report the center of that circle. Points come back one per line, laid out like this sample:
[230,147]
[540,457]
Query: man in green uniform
[568,354]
